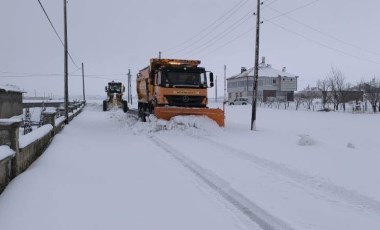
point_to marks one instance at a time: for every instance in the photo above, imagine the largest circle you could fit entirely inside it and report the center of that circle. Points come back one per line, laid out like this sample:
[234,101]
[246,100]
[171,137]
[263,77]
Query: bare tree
[308,95]
[298,99]
[345,92]
[372,93]
[336,81]
[323,86]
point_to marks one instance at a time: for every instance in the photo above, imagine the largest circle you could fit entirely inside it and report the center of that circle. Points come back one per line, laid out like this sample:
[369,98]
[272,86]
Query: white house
[272,84]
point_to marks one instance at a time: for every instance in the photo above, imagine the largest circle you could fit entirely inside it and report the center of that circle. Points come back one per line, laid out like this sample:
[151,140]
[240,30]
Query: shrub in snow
[305,140]
[350,145]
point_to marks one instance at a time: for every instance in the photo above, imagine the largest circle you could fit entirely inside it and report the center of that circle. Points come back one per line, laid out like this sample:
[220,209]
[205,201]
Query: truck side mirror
[123,88]
[211,79]
[106,89]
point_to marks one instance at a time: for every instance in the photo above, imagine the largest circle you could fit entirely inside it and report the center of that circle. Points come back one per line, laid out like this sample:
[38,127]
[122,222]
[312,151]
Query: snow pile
[29,138]
[190,125]
[5,152]
[305,140]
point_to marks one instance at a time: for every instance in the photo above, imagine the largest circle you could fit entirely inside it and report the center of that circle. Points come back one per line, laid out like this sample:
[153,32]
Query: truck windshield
[115,88]
[185,79]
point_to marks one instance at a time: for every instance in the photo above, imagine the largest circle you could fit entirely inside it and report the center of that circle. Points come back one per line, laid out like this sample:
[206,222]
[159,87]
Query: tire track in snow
[347,195]
[256,214]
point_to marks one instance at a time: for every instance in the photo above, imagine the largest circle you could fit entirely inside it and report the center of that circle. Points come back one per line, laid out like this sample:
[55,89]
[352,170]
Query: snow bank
[5,152]
[35,135]
[189,125]
[305,140]
[59,120]
[9,121]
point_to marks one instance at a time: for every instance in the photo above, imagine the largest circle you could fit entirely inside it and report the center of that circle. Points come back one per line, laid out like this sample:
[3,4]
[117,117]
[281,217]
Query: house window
[274,81]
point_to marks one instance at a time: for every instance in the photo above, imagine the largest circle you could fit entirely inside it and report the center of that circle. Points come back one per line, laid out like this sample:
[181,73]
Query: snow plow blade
[166,113]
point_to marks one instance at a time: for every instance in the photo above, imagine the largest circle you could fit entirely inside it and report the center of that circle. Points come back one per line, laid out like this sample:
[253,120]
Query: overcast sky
[112,36]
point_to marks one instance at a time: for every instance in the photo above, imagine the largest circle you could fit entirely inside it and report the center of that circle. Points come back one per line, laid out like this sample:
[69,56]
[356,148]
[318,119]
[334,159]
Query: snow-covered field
[300,170]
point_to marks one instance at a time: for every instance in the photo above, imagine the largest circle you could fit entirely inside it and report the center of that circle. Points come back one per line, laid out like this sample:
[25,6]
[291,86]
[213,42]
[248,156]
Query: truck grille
[185,101]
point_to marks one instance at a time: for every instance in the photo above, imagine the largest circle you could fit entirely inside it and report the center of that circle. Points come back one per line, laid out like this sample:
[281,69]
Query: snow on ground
[299,170]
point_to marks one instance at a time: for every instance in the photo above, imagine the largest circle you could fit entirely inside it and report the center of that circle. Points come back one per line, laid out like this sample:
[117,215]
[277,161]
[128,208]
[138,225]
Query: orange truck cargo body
[172,87]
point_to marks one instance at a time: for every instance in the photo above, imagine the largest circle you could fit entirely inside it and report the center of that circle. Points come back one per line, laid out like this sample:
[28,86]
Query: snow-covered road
[108,171]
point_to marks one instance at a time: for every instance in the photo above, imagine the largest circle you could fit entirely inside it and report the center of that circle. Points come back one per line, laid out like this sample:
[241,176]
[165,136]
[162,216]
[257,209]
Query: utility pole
[256,71]
[225,89]
[84,95]
[216,88]
[129,87]
[66,65]
[159,55]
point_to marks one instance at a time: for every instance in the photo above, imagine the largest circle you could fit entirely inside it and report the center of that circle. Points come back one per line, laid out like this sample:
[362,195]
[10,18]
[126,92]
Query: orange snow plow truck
[172,87]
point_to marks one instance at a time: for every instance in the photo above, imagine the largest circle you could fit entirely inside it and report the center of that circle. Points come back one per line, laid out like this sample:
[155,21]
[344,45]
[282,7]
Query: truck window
[190,79]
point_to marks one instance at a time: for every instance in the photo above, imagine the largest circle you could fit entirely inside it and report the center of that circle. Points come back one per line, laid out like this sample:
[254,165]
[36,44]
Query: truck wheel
[104,105]
[125,106]
[141,113]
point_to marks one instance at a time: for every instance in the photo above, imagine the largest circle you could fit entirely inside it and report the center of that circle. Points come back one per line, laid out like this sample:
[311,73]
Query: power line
[229,42]
[47,16]
[224,33]
[218,24]
[321,44]
[33,75]
[325,34]
[291,11]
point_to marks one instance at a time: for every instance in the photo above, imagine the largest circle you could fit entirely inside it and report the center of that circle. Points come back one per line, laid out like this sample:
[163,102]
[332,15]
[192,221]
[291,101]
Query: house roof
[10,88]
[265,70]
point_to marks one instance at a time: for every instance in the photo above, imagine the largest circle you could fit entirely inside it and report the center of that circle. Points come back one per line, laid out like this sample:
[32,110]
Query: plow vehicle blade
[166,113]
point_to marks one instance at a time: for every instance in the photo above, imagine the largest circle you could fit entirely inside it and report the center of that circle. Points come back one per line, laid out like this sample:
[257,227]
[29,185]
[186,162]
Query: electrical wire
[229,42]
[296,9]
[325,34]
[207,27]
[235,9]
[223,34]
[321,44]
[47,16]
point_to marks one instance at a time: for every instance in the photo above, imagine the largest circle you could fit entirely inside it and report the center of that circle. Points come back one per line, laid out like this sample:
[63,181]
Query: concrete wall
[5,172]
[10,104]
[27,155]
[10,167]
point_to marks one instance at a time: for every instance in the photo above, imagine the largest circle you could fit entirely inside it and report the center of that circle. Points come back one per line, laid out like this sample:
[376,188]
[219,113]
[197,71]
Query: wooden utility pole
[256,71]
[66,65]
[225,89]
[216,88]
[129,87]
[84,95]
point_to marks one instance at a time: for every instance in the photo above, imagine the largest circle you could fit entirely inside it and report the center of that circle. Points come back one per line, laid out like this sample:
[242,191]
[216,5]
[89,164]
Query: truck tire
[104,105]
[141,112]
[125,106]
